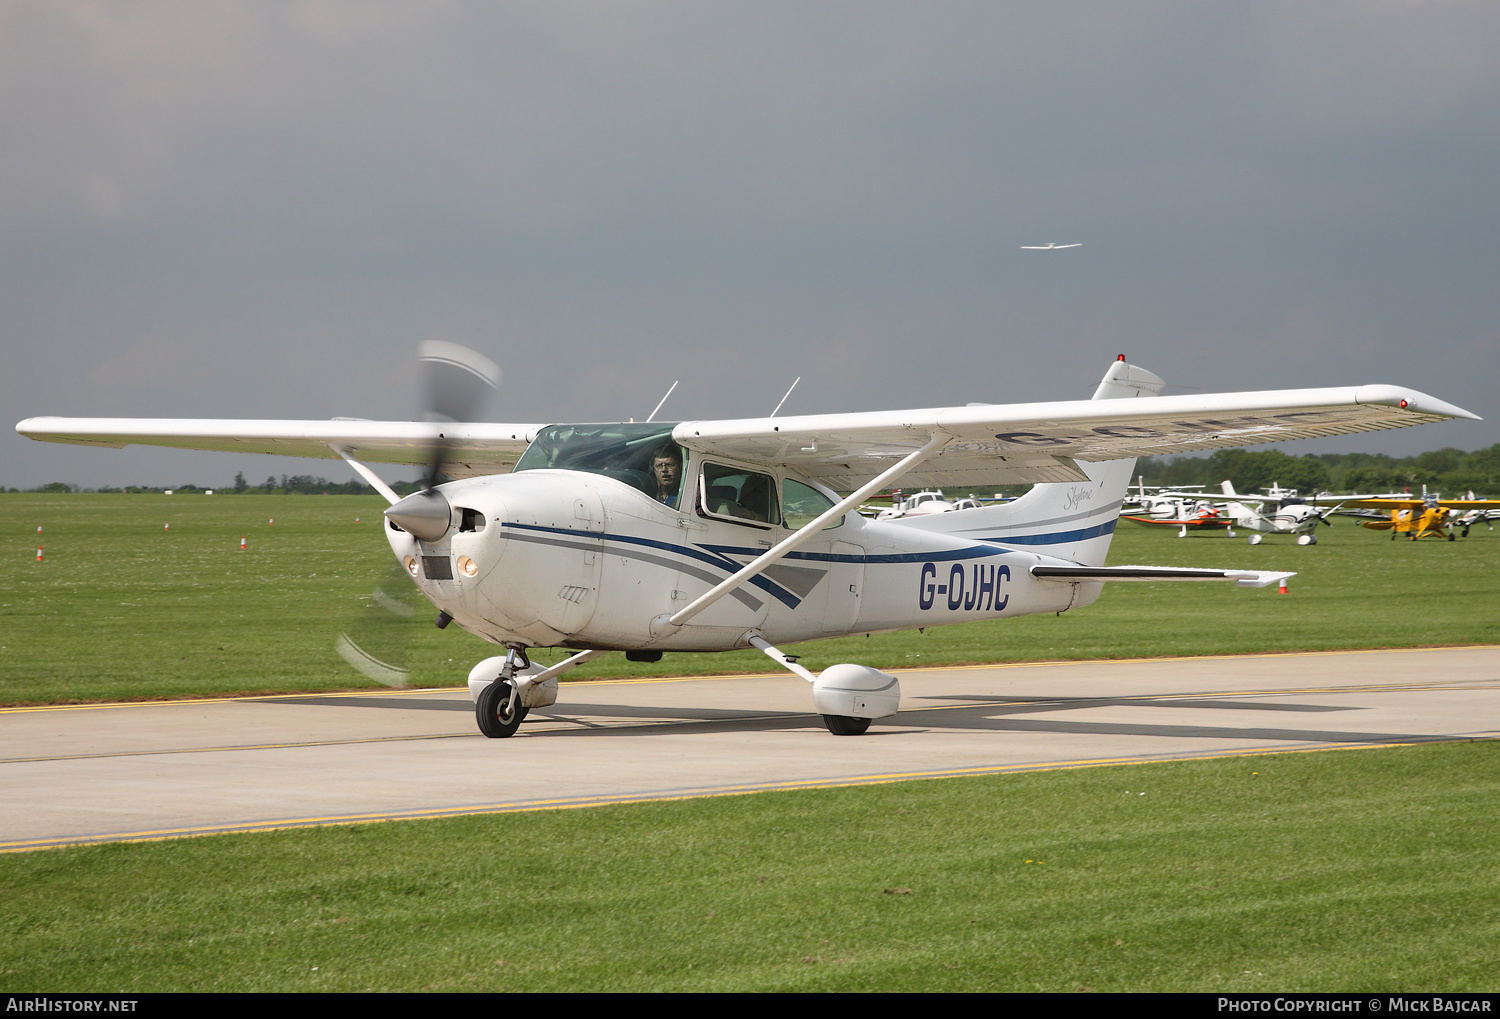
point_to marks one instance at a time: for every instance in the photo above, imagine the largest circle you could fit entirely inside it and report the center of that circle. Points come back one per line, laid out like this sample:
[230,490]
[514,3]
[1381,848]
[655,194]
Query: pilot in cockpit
[666,471]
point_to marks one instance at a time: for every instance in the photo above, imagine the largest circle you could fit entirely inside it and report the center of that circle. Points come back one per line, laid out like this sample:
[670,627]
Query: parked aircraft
[920,504]
[1190,515]
[1161,502]
[1278,512]
[1424,516]
[714,535]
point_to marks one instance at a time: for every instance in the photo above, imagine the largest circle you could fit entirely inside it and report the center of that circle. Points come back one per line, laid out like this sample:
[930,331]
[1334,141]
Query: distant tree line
[306,484]
[1449,471]
[295,484]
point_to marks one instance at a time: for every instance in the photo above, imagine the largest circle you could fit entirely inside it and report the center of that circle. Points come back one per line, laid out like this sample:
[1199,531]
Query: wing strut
[809,531]
[369,475]
[780,657]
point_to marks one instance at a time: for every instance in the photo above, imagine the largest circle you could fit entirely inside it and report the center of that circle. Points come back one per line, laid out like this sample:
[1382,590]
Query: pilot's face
[666,470]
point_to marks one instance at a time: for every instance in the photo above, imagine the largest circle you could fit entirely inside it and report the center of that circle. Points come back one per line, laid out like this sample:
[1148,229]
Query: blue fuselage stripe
[718,556]
[1058,537]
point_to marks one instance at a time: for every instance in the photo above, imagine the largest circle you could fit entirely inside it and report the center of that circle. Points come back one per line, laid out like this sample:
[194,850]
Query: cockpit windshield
[624,452]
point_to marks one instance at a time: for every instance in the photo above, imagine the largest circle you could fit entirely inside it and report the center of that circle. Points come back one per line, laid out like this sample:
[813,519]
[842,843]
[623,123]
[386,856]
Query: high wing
[1246,497]
[473,448]
[1416,501]
[1041,442]
[975,446]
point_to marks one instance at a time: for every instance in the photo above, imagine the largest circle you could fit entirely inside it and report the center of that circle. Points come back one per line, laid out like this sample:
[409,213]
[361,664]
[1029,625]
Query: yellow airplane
[1420,516]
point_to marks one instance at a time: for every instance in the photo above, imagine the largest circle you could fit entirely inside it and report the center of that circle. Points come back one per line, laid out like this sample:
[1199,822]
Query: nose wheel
[498,710]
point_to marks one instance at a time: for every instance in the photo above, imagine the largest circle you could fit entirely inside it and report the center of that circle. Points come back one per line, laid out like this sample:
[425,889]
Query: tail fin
[1244,516]
[1070,520]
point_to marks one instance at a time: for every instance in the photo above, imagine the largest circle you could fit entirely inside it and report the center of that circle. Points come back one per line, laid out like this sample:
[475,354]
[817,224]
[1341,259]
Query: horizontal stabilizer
[1241,578]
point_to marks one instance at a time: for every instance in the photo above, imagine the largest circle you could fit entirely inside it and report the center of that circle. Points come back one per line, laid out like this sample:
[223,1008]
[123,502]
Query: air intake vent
[437,567]
[473,520]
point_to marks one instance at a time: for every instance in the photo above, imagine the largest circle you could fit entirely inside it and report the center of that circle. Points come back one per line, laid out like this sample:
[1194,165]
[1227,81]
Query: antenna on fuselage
[788,393]
[663,400]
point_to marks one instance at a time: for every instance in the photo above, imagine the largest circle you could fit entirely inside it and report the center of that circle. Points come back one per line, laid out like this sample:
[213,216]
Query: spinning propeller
[457,383]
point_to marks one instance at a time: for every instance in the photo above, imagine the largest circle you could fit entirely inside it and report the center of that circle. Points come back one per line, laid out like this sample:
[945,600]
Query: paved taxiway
[135,771]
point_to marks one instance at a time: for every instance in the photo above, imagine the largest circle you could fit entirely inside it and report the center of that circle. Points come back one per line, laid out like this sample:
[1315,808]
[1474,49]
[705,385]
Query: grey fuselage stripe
[739,594]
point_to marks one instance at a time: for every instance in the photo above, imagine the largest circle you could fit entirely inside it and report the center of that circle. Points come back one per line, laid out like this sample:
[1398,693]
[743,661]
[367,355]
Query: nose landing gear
[498,710]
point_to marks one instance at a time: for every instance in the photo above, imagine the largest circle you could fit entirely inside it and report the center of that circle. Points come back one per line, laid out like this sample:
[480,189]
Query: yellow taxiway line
[575,803]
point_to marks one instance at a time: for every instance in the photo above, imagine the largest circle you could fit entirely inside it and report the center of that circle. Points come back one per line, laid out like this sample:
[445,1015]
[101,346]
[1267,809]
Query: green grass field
[1371,870]
[1351,870]
[121,607]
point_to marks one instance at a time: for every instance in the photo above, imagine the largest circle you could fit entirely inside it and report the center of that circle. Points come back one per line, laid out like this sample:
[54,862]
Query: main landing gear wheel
[844,725]
[496,718]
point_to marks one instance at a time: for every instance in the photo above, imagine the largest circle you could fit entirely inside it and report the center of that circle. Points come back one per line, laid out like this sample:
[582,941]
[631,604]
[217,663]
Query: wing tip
[1412,401]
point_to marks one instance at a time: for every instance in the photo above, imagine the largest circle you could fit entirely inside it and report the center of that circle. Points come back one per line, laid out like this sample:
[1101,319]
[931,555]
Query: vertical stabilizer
[1071,520]
[1244,516]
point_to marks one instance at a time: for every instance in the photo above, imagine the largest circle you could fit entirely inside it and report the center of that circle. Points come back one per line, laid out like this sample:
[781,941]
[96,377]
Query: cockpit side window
[733,493]
[667,468]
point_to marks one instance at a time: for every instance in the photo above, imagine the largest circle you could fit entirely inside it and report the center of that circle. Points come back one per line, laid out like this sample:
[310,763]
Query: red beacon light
[1120,358]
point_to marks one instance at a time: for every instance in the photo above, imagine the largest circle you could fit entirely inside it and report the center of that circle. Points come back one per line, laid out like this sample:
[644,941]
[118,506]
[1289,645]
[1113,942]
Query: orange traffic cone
[1282,588]
[271,522]
[167,526]
[242,543]
[39,553]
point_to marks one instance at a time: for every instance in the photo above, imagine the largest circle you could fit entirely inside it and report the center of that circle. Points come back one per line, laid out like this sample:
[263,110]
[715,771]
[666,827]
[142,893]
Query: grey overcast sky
[258,209]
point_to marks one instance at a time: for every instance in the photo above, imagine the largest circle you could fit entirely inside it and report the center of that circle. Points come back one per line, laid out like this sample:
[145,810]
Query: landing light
[467,566]
[411,565]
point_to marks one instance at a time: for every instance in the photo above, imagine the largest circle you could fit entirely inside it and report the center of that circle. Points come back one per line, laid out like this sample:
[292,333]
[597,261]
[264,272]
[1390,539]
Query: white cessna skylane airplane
[716,535]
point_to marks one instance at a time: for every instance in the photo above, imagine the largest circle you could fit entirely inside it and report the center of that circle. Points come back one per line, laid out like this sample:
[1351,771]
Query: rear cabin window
[801,504]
